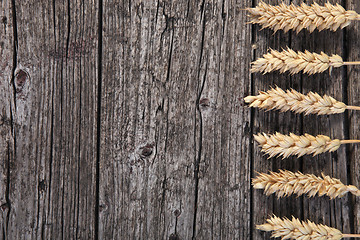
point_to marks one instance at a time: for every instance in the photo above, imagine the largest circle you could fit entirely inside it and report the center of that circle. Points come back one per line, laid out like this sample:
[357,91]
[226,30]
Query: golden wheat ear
[296,229]
[292,17]
[291,100]
[288,145]
[294,62]
[285,183]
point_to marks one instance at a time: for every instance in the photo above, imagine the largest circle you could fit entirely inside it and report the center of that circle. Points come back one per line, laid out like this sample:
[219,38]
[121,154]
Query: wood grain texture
[352,91]
[6,111]
[270,122]
[321,210]
[126,120]
[51,189]
[334,213]
[174,151]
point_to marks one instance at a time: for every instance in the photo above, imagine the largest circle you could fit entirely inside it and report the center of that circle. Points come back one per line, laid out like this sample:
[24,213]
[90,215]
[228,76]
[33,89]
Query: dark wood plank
[271,122]
[353,85]
[321,210]
[52,176]
[333,213]
[6,110]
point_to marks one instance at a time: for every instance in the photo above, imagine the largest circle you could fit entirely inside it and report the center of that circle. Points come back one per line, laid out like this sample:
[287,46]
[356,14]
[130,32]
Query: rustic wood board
[175,158]
[351,90]
[334,213]
[125,120]
[50,95]
[7,147]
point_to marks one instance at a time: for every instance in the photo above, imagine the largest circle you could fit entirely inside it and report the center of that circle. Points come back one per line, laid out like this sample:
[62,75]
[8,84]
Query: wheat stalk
[296,18]
[294,62]
[285,183]
[296,229]
[291,100]
[288,145]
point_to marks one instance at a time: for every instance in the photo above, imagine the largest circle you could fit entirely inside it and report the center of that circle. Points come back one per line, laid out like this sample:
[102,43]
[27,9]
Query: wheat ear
[288,145]
[285,183]
[291,100]
[296,18]
[294,62]
[296,229]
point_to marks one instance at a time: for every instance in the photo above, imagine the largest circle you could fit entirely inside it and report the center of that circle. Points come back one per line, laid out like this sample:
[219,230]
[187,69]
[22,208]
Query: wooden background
[125,120]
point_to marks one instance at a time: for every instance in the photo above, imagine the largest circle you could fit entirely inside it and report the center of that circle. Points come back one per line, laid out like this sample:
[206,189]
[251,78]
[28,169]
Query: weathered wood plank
[223,196]
[148,119]
[334,213]
[173,67]
[353,84]
[52,176]
[271,122]
[176,149]
[6,110]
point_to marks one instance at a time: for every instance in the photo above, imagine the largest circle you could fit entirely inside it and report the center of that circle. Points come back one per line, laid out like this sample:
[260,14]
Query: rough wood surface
[6,111]
[351,89]
[334,213]
[125,120]
[51,104]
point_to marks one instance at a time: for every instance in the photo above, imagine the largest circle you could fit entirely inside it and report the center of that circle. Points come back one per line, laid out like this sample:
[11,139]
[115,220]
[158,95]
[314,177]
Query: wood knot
[177,213]
[147,150]
[4,20]
[5,206]
[174,236]
[204,102]
[42,185]
[20,79]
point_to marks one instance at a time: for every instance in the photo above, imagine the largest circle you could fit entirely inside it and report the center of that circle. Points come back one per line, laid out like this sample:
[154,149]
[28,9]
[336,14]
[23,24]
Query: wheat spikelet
[288,145]
[291,100]
[294,62]
[296,229]
[296,18]
[285,183]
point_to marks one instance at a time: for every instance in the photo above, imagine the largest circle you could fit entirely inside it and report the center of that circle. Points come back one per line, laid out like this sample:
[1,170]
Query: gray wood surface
[125,120]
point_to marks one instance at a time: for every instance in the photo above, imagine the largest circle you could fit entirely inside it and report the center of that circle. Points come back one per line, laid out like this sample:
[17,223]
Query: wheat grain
[288,145]
[291,100]
[294,62]
[292,17]
[296,229]
[285,183]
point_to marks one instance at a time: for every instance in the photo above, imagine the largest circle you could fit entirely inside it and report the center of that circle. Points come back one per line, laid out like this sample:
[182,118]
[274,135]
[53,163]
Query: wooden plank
[6,109]
[148,120]
[223,196]
[333,213]
[176,145]
[353,73]
[52,177]
[158,158]
[270,122]
[321,210]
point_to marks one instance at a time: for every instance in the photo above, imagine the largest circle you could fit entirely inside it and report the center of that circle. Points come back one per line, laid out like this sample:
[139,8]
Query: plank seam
[98,145]
[251,139]
[12,113]
[198,157]
[345,85]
